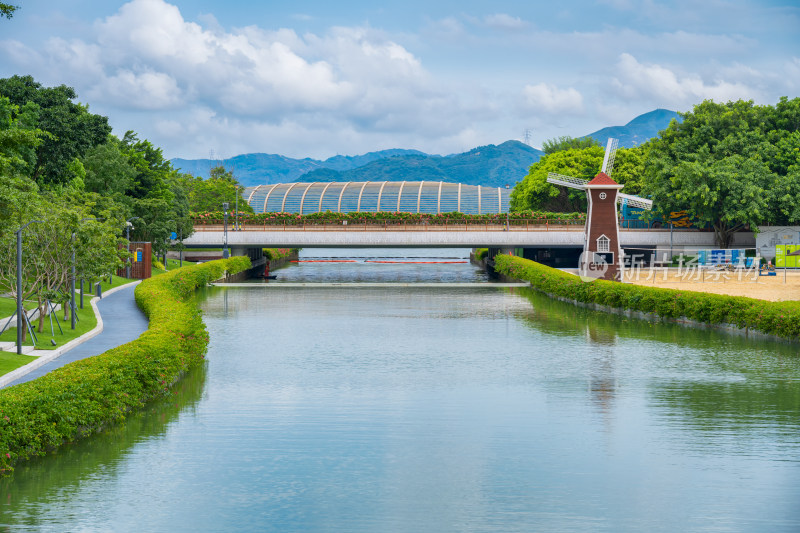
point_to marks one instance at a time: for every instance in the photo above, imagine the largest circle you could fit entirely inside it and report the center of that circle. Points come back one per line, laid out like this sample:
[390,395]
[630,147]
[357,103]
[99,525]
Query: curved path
[122,321]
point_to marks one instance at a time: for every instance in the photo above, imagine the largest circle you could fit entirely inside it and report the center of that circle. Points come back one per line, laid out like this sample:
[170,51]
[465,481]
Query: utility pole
[225,249]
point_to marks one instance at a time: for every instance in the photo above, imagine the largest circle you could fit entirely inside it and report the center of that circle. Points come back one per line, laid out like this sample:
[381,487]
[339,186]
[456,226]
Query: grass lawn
[172,264]
[11,361]
[86,322]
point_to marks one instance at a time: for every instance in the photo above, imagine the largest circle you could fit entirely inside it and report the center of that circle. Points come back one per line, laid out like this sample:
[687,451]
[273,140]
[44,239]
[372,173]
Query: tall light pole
[128,237]
[237,207]
[21,322]
[225,248]
[166,269]
[72,281]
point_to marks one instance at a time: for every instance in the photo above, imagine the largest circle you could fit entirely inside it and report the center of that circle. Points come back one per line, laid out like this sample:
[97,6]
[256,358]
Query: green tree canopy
[73,130]
[729,165]
[533,192]
[208,195]
[108,170]
[556,144]
[7,10]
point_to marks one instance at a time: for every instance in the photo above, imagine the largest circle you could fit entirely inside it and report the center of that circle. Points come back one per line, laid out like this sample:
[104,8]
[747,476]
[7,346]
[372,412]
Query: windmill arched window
[603,244]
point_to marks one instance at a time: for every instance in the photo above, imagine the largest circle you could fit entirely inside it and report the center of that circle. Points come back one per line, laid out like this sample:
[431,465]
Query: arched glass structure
[371,196]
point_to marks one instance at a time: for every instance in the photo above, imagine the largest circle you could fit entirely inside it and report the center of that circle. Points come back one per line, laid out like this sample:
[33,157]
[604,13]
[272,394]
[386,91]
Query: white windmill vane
[608,166]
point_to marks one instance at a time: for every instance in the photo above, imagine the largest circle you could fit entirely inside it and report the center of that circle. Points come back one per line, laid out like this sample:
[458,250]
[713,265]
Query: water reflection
[441,410]
[45,485]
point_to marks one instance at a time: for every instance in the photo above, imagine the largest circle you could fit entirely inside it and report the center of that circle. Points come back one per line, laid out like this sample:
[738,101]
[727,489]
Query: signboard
[769,237]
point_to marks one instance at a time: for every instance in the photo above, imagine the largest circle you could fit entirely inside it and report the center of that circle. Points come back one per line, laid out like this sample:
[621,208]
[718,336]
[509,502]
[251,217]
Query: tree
[108,170]
[557,144]
[729,165]
[533,192]
[208,195]
[19,137]
[73,130]
[7,10]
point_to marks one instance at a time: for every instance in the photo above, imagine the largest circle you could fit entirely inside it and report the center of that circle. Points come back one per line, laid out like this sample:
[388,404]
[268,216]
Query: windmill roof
[602,179]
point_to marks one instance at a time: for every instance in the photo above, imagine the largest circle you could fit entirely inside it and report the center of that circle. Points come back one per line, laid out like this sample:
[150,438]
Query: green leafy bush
[279,253]
[82,397]
[774,318]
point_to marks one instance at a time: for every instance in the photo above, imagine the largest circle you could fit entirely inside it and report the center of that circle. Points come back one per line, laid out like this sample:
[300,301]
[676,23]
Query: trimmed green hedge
[774,318]
[82,397]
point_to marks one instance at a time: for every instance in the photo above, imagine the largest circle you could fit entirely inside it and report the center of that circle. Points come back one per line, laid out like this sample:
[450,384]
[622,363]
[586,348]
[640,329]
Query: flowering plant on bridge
[389,217]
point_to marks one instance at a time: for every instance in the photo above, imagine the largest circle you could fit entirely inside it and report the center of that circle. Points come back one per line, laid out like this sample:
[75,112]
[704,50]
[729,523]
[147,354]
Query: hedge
[82,397]
[275,218]
[781,319]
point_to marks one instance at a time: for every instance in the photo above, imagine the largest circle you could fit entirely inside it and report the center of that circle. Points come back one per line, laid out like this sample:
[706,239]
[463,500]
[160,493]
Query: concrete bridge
[472,235]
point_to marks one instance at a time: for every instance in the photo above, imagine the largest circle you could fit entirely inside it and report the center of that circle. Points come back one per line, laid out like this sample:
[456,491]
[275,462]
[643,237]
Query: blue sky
[317,79]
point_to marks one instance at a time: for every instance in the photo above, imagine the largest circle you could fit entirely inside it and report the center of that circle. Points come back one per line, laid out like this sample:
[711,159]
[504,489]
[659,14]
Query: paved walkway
[120,321]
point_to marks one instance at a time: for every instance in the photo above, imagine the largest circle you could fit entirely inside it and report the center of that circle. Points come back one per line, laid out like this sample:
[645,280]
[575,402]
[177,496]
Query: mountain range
[491,165]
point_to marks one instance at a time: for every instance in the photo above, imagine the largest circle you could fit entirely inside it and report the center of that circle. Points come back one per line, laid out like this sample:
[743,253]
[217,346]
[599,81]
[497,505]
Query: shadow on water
[41,482]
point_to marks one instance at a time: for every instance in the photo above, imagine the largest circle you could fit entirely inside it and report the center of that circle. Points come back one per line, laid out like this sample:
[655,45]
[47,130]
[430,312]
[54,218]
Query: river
[437,409]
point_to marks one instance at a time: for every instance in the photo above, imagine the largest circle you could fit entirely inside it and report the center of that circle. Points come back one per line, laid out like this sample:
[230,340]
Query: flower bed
[781,319]
[80,398]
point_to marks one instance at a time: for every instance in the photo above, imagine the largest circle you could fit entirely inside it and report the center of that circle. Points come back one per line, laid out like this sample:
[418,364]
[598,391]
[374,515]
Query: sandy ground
[774,288]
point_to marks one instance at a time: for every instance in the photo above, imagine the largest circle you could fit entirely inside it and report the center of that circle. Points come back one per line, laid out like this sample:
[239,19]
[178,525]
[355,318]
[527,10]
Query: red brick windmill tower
[602,255]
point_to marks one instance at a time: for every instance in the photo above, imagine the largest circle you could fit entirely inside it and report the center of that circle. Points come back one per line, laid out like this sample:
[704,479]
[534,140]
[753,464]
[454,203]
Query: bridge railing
[535,224]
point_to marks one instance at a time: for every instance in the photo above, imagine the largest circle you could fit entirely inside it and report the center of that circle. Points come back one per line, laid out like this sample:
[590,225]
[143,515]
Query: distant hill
[637,131]
[256,169]
[494,166]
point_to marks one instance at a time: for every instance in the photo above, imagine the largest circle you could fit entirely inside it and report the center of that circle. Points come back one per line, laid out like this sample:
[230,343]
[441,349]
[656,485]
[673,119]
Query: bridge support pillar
[493,252]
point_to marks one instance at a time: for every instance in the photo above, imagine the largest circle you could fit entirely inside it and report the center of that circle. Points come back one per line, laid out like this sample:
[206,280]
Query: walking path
[119,321]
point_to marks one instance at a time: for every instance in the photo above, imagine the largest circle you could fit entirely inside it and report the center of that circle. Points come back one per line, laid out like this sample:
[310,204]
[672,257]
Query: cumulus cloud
[148,57]
[549,99]
[654,82]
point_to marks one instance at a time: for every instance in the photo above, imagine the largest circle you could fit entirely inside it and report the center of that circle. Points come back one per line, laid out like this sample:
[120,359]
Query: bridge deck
[464,235]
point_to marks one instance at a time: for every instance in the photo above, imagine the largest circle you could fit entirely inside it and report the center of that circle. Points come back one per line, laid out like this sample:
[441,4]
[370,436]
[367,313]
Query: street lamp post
[128,237]
[72,281]
[225,231]
[237,208]
[166,269]
[20,320]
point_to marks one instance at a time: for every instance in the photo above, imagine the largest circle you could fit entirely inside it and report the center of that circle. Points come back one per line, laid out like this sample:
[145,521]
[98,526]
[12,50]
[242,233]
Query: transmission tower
[528,134]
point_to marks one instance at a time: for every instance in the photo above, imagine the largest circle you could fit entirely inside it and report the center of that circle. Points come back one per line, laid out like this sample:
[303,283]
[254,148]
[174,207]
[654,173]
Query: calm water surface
[401,409]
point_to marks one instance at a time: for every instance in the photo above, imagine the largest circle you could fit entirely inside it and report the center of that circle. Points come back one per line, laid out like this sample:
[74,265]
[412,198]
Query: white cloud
[146,90]
[549,99]
[657,83]
[504,21]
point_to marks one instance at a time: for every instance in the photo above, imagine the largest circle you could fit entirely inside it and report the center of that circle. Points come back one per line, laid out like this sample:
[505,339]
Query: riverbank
[780,319]
[78,399]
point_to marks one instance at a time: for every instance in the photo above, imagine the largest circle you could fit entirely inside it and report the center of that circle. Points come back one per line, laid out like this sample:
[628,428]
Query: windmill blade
[608,159]
[635,201]
[566,181]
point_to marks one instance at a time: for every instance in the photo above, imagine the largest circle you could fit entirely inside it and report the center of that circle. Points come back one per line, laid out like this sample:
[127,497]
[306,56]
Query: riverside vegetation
[80,398]
[781,319]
